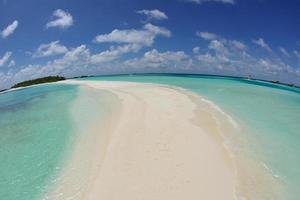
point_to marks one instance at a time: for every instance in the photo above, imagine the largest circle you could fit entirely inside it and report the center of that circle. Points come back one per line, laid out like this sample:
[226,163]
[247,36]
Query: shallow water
[35,127]
[270,112]
[38,127]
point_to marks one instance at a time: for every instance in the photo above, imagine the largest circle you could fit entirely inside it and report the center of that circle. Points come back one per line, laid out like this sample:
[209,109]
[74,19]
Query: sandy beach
[161,143]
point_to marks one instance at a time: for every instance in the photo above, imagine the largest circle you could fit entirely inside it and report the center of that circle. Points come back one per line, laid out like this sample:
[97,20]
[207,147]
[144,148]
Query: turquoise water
[271,112]
[35,126]
[39,129]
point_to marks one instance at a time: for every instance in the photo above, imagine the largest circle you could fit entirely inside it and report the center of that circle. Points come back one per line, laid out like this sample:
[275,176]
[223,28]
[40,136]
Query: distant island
[48,79]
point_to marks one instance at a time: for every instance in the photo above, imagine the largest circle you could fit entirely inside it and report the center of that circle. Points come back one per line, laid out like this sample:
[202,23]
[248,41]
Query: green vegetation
[47,79]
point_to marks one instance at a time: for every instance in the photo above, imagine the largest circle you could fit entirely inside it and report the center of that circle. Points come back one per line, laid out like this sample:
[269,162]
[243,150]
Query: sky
[260,38]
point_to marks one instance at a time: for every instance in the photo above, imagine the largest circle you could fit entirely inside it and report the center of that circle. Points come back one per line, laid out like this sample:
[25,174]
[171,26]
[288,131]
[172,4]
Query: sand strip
[160,145]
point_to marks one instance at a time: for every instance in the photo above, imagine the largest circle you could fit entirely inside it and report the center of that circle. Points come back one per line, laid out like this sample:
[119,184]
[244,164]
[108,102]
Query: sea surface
[37,127]
[270,114]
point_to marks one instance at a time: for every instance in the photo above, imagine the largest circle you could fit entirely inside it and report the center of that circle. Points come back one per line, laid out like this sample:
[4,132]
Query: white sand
[160,145]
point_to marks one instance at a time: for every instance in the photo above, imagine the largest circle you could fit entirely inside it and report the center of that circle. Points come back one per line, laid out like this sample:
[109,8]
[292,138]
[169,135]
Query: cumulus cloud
[261,42]
[232,57]
[132,39]
[10,29]
[220,56]
[76,61]
[153,14]
[238,45]
[161,60]
[11,63]
[51,49]
[206,1]
[62,19]
[139,37]
[212,36]
[297,54]
[218,47]
[5,58]
[196,50]
[113,53]
[218,42]
[80,60]
[284,51]
[207,35]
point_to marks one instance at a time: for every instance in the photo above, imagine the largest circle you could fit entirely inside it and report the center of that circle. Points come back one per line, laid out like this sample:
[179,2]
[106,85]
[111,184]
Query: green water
[271,112]
[35,126]
[39,129]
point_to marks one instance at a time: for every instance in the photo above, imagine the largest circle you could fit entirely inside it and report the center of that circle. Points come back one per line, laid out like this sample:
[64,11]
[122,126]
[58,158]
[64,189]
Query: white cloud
[11,63]
[153,14]
[80,60]
[75,61]
[134,40]
[218,40]
[261,42]
[220,56]
[10,29]
[206,1]
[51,49]
[62,19]
[297,54]
[78,56]
[232,57]
[196,50]
[113,53]
[218,47]
[142,37]
[5,58]
[238,45]
[5,80]
[207,35]
[161,60]
[284,51]
[158,30]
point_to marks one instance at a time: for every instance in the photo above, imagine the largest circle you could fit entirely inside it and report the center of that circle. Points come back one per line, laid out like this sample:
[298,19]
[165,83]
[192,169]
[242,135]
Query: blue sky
[70,38]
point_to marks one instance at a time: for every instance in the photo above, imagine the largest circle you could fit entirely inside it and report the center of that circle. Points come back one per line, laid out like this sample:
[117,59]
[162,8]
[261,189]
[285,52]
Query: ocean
[269,114]
[35,126]
[38,127]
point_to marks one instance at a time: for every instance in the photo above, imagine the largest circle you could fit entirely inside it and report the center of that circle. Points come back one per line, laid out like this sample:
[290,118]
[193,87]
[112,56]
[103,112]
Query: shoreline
[81,158]
[287,85]
[254,178]
[28,87]
[199,162]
